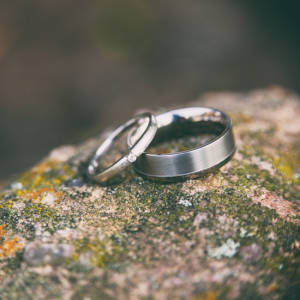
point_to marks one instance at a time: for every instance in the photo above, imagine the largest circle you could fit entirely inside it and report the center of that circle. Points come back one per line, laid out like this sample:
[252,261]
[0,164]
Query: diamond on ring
[131,157]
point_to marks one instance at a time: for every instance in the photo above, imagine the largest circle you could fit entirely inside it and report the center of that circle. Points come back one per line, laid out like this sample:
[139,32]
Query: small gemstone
[131,157]
[76,183]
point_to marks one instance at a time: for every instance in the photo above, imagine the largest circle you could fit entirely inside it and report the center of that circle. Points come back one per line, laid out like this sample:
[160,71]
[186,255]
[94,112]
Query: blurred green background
[70,68]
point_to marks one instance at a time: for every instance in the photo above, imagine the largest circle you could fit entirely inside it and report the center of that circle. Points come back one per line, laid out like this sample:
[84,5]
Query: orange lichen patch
[272,287]
[9,247]
[273,201]
[209,295]
[2,231]
[44,196]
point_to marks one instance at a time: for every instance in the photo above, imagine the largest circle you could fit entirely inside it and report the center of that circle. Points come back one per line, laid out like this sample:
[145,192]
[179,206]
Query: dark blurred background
[69,68]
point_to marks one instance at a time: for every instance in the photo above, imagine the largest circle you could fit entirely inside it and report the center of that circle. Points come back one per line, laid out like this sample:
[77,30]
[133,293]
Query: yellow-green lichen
[47,174]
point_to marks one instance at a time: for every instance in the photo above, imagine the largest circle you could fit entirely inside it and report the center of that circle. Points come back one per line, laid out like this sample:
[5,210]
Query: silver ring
[136,149]
[192,163]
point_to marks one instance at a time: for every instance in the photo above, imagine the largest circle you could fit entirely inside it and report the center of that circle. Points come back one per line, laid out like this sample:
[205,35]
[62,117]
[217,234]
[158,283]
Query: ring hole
[182,136]
[117,150]
[180,144]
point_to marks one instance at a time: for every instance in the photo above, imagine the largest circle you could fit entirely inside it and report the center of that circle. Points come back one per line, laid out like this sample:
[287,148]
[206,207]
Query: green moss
[106,253]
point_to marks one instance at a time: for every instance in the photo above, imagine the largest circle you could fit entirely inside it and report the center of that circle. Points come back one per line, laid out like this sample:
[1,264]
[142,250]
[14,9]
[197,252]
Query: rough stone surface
[232,234]
[252,253]
[36,253]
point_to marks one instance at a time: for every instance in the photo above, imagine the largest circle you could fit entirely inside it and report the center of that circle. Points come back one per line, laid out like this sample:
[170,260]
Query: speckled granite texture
[233,234]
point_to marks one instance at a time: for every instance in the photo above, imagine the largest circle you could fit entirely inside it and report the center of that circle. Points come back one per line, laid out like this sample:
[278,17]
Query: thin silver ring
[136,149]
[192,163]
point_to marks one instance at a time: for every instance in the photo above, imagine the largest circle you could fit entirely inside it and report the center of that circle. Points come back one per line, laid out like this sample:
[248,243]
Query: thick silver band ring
[192,163]
[135,150]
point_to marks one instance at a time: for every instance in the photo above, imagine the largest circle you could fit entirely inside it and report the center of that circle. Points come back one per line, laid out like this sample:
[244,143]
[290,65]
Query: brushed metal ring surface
[138,147]
[192,163]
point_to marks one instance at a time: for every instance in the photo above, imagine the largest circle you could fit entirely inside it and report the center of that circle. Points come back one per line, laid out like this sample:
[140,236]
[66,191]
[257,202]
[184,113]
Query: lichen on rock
[9,247]
[229,249]
[231,234]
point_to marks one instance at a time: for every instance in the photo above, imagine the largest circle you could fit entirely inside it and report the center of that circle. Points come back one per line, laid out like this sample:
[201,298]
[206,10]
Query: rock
[135,238]
[200,218]
[36,253]
[62,153]
[251,254]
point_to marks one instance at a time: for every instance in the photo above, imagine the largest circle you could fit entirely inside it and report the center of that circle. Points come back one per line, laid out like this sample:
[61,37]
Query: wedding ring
[192,163]
[138,147]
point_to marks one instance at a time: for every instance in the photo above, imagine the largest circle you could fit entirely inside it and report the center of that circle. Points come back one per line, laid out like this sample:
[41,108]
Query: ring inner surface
[182,133]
